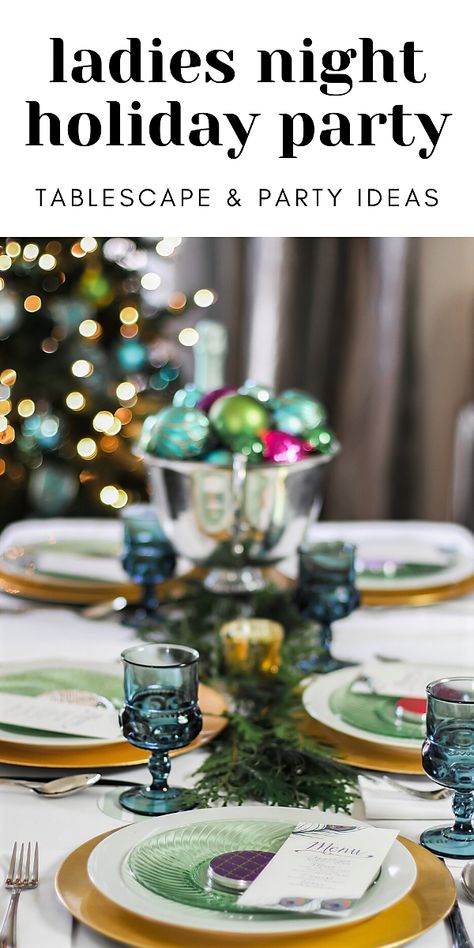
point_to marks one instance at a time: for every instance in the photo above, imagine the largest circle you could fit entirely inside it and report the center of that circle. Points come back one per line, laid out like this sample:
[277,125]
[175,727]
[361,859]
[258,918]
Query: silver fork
[17,881]
[441,794]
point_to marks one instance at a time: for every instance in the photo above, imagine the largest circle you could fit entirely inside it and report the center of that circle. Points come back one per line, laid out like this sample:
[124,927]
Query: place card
[322,868]
[41,714]
[400,679]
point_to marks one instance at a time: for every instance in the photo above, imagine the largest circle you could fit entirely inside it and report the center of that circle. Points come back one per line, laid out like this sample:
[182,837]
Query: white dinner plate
[445,545]
[31,669]
[109,873]
[317,695]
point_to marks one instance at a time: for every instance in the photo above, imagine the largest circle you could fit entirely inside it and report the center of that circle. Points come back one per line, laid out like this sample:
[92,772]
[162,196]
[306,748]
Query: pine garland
[262,754]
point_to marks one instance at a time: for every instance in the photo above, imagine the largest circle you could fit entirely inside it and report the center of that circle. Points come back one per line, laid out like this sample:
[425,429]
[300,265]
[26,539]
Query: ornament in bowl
[237,477]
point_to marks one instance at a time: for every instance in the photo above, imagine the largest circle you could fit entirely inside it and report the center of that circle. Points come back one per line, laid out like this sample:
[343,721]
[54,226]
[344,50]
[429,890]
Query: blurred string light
[204,298]
[13,248]
[26,407]
[8,377]
[125,391]
[32,303]
[75,401]
[88,244]
[188,336]
[90,329]
[5,261]
[82,368]
[87,449]
[113,496]
[47,261]
[30,252]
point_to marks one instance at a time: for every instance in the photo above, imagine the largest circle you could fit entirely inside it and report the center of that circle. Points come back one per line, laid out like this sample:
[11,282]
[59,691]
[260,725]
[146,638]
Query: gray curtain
[351,320]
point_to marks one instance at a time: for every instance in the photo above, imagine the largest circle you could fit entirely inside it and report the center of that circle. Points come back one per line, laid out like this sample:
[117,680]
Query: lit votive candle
[252,645]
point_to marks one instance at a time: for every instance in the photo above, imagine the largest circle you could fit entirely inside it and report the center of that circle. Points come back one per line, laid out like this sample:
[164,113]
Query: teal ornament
[180,433]
[131,355]
[219,456]
[321,439]
[52,489]
[187,396]
[262,393]
[145,434]
[297,413]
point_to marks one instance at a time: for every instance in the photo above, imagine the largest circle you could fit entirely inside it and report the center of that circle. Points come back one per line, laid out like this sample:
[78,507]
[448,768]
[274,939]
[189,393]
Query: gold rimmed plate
[119,754]
[428,902]
[361,754]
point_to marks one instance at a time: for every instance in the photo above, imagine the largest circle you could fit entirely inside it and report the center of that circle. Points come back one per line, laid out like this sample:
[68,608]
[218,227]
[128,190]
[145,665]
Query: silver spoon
[60,787]
[467,879]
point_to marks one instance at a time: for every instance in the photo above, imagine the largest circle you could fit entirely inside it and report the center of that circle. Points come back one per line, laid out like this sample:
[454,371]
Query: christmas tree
[90,339]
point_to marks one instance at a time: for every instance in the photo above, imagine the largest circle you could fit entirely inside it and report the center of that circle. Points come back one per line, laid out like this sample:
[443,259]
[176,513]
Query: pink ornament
[206,402]
[282,448]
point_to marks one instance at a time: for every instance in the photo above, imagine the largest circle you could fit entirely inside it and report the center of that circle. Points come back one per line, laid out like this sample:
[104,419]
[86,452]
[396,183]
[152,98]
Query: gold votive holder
[252,645]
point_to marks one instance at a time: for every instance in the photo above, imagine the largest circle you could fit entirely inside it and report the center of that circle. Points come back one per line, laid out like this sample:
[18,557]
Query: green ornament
[236,418]
[323,440]
[187,396]
[297,413]
[251,448]
[179,433]
[145,434]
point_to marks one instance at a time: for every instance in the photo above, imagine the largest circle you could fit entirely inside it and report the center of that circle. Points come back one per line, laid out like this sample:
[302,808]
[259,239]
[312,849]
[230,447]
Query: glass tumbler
[160,713]
[448,758]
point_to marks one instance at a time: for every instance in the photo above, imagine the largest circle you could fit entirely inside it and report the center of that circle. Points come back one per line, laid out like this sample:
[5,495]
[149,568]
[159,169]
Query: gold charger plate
[429,901]
[363,754]
[80,593]
[121,754]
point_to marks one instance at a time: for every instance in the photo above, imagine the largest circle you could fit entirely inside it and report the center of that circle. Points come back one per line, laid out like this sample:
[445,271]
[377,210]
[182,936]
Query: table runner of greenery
[262,754]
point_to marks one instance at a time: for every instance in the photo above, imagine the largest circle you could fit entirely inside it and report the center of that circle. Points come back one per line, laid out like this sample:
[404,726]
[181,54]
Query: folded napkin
[382,801]
[42,922]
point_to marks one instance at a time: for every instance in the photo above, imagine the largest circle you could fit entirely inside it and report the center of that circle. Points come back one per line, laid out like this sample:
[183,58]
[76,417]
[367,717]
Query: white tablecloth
[445,633]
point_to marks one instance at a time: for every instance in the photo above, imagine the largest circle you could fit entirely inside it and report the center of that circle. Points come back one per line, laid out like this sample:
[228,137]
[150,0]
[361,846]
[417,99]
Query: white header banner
[309,118]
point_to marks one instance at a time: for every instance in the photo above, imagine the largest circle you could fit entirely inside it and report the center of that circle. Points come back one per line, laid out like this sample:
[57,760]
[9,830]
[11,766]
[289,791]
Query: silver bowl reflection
[236,520]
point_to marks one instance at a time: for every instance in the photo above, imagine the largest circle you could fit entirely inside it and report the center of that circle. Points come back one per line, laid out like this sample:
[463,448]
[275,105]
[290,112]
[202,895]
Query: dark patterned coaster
[236,870]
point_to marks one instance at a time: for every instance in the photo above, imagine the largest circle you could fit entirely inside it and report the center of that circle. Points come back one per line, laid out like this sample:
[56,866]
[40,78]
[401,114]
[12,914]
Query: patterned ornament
[297,413]
[261,393]
[180,433]
[321,439]
[237,417]
[187,397]
[145,435]
[283,448]
[206,401]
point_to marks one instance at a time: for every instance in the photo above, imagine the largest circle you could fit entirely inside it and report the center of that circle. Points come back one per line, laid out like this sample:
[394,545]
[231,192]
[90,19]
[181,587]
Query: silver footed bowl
[234,520]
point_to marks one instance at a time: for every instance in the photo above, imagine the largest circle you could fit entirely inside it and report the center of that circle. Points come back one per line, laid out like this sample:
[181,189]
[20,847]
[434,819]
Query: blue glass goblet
[160,713]
[148,558]
[326,592]
[448,758]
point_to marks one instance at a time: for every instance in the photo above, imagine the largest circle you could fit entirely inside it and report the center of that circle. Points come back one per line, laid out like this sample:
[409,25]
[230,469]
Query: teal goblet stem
[159,766]
[463,809]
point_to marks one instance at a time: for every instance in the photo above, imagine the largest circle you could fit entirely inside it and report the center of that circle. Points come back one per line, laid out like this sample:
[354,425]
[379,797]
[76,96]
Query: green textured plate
[174,864]
[373,713]
[37,678]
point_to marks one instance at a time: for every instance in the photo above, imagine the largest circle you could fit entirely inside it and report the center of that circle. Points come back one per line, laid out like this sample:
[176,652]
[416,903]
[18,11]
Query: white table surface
[444,633]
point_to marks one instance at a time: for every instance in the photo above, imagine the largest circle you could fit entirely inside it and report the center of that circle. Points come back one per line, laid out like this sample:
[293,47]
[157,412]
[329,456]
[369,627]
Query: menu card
[322,868]
[41,714]
[400,679]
